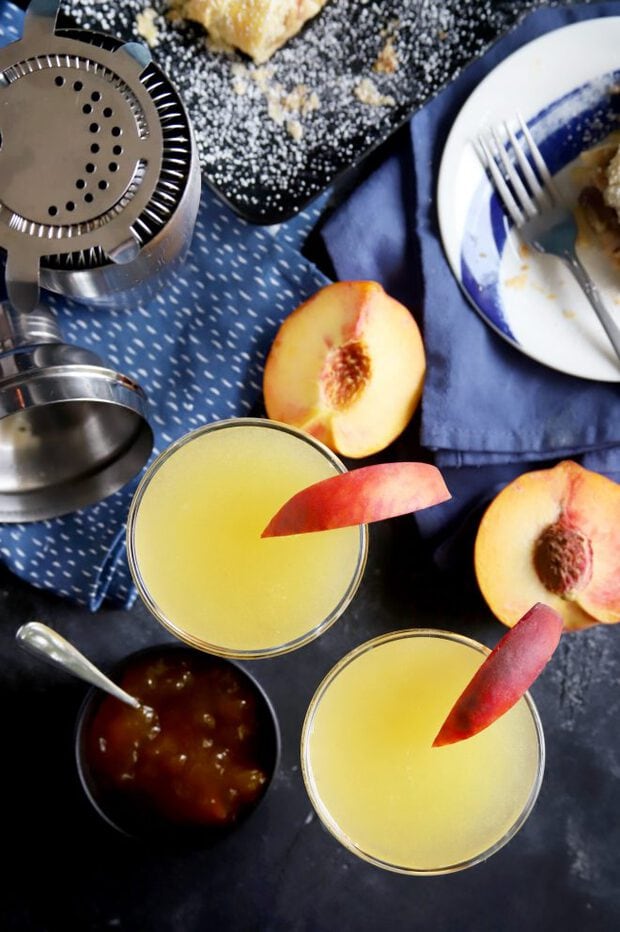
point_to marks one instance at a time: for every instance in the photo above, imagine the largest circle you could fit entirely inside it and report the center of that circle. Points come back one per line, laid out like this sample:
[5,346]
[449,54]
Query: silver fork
[532,200]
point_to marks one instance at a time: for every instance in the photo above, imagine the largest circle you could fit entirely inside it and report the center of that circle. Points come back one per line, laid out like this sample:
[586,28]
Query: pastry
[597,179]
[257,27]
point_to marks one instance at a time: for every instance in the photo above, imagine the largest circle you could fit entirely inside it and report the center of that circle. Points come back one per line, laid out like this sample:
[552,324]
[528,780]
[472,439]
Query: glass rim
[140,584]
[332,826]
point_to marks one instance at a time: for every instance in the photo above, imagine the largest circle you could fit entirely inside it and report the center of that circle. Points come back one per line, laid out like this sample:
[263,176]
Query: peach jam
[200,753]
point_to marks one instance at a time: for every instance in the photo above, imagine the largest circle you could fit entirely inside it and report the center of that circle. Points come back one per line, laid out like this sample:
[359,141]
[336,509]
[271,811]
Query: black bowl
[143,823]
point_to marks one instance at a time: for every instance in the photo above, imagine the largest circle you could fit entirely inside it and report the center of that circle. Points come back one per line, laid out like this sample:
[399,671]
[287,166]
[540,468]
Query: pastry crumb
[284,107]
[146,27]
[387,59]
[301,100]
[262,76]
[368,93]
[240,78]
[293,100]
[239,86]
[517,281]
[275,110]
[295,130]
[611,193]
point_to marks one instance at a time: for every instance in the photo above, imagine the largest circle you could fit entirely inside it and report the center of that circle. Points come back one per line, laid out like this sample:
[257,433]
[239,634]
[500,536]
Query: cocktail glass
[195,550]
[380,787]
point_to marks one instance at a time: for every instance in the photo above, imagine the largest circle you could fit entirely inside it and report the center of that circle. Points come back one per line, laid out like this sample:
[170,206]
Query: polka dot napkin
[197,350]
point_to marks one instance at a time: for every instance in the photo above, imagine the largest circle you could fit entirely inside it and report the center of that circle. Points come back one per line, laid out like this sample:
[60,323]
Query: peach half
[347,366]
[553,536]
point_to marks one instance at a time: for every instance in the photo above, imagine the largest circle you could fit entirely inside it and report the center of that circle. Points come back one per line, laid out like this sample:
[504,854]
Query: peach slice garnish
[370,493]
[504,677]
[347,366]
[553,536]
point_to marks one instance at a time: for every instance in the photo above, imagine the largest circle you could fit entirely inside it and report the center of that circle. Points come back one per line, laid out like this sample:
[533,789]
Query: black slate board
[252,161]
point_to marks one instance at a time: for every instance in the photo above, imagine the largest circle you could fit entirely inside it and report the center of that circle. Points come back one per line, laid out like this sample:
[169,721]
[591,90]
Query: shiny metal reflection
[72,431]
[99,170]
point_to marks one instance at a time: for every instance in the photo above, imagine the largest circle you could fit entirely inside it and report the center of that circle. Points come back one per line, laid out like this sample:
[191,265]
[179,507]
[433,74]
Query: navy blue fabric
[197,350]
[488,411]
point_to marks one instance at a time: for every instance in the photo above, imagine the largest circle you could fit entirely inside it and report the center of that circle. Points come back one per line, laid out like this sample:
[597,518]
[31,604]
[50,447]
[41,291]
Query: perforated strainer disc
[58,191]
[96,158]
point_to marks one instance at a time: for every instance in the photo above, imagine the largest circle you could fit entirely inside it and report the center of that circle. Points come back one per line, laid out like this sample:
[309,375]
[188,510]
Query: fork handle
[593,295]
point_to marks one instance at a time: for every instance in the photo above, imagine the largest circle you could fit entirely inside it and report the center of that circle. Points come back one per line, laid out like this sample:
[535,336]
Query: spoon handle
[47,643]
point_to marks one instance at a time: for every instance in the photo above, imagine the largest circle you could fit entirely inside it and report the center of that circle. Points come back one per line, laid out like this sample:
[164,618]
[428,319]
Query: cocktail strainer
[99,190]
[99,175]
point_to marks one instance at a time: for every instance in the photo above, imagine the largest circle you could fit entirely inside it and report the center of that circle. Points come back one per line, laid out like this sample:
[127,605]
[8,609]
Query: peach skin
[370,493]
[506,674]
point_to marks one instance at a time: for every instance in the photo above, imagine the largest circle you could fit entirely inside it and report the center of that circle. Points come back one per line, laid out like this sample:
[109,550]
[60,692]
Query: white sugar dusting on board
[268,167]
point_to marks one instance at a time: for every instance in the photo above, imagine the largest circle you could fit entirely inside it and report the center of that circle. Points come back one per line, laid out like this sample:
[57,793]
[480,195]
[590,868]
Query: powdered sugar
[267,158]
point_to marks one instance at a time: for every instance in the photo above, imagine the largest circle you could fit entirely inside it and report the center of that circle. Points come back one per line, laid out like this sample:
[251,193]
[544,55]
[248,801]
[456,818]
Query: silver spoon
[47,643]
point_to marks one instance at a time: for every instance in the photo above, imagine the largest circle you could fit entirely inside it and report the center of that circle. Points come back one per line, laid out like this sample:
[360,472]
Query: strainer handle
[40,17]
[22,281]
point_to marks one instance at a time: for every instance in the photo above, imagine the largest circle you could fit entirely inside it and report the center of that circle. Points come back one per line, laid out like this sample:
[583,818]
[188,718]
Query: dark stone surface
[64,869]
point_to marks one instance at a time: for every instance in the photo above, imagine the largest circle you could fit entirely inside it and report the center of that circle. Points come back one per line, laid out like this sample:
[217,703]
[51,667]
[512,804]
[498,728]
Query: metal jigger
[71,430]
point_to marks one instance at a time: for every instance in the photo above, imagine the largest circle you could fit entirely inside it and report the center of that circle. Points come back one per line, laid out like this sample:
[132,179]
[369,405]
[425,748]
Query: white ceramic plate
[561,84]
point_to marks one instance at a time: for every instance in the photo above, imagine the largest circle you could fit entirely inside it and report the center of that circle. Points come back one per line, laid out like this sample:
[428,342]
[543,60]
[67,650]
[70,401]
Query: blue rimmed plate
[566,84]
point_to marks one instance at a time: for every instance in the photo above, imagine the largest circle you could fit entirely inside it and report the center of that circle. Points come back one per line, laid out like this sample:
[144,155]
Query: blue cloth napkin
[197,350]
[488,411]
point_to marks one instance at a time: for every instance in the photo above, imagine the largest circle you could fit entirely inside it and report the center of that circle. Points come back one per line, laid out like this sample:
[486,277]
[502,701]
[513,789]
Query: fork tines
[524,184]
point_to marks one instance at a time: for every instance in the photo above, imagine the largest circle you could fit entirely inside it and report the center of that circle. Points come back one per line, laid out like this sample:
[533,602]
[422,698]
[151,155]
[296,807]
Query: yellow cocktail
[378,784]
[195,547]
